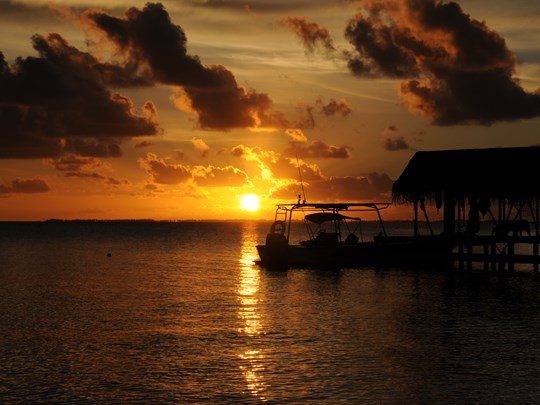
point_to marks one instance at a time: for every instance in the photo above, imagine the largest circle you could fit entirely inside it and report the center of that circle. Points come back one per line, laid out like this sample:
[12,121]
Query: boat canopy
[321,217]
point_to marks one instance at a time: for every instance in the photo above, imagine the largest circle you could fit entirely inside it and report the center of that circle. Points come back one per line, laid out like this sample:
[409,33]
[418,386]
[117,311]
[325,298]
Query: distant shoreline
[149,220]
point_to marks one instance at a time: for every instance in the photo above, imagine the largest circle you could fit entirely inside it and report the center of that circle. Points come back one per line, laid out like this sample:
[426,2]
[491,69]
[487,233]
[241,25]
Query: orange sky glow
[177,110]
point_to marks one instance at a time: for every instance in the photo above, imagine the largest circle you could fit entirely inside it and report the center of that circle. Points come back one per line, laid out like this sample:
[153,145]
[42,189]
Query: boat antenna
[301,182]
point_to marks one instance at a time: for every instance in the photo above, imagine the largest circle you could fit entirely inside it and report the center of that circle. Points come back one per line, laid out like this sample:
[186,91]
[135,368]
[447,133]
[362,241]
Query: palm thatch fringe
[511,174]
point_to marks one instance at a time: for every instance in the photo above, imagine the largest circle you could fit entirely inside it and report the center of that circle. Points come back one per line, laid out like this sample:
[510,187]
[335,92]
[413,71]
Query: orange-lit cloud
[299,148]
[288,168]
[285,177]
[274,166]
[374,187]
[297,135]
[211,176]
[163,171]
[201,146]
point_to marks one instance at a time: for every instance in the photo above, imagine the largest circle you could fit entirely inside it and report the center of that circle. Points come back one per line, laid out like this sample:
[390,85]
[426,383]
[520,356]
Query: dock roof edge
[503,173]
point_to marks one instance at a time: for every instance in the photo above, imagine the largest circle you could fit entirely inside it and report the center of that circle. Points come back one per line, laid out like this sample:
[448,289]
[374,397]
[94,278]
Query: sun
[249,202]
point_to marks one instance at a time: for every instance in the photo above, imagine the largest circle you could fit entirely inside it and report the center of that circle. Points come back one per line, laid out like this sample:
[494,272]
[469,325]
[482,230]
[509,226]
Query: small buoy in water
[109,254]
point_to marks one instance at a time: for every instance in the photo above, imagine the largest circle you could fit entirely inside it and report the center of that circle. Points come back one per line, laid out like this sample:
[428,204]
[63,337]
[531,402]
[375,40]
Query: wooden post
[502,258]
[535,255]
[461,254]
[511,255]
[449,214]
[537,224]
[459,225]
[469,253]
[415,203]
[535,243]
[486,256]
[423,208]
[493,254]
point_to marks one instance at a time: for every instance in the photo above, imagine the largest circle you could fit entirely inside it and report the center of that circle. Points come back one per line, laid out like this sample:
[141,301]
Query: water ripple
[181,314]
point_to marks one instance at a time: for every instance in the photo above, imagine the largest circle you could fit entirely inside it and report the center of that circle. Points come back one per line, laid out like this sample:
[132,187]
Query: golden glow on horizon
[249,202]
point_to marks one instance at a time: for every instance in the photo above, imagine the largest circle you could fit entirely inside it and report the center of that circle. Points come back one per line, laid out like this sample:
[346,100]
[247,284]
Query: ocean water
[179,313]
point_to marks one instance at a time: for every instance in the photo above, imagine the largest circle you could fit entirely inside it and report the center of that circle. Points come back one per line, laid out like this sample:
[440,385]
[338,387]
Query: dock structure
[490,200]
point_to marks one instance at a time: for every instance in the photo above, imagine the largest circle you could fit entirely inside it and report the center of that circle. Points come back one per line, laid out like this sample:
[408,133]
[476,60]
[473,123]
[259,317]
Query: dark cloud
[335,107]
[73,163]
[138,36]
[306,113]
[317,150]
[97,176]
[305,120]
[211,91]
[381,49]
[57,103]
[143,144]
[266,6]
[85,175]
[82,167]
[457,70]
[93,148]
[393,142]
[22,186]
[312,35]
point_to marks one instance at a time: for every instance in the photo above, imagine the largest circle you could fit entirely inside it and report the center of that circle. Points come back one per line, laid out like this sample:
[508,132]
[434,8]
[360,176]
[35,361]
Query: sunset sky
[175,110]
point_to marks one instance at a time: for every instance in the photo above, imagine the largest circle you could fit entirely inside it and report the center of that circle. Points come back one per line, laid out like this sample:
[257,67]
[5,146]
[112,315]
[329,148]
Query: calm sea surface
[179,313]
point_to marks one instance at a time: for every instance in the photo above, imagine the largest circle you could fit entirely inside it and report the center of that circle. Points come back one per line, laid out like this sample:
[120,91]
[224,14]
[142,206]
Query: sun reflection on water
[248,289]
[252,372]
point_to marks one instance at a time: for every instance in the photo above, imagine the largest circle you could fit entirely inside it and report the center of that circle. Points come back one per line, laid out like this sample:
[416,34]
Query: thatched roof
[504,173]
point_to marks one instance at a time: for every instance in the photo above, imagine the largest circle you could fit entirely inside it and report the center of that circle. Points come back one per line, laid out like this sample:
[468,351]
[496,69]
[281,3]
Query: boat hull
[395,252]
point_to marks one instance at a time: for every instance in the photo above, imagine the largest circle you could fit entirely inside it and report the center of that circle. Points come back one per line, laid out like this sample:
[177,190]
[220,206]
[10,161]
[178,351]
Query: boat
[334,239]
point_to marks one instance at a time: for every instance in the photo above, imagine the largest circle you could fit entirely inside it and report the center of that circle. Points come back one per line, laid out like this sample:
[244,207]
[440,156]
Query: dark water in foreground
[180,314]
